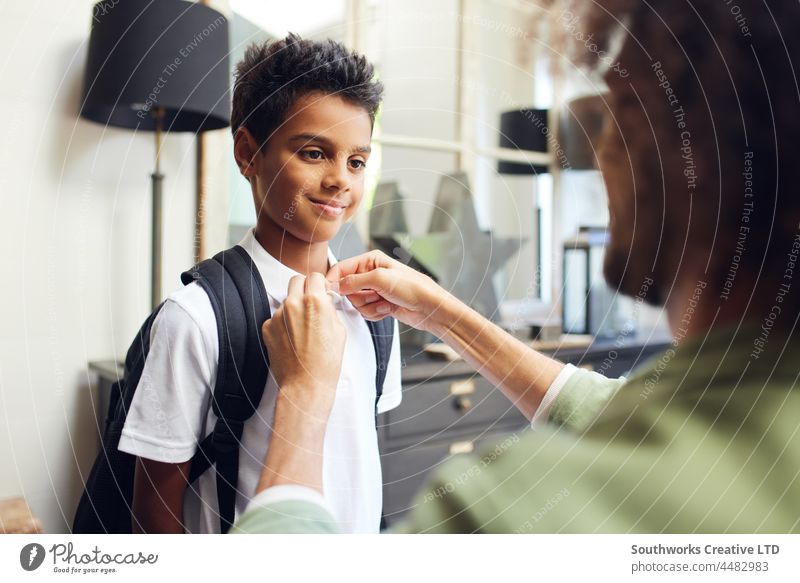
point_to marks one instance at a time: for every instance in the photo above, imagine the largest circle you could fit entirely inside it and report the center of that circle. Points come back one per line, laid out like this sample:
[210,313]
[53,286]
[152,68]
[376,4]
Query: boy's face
[308,179]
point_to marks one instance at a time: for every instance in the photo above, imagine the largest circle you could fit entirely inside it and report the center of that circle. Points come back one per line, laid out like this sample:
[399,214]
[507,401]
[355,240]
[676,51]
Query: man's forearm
[296,445]
[521,373]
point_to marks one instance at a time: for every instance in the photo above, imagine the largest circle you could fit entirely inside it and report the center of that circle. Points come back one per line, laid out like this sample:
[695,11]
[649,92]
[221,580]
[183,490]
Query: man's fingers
[363,298]
[360,264]
[374,280]
[334,275]
[346,267]
[315,284]
[296,286]
[376,310]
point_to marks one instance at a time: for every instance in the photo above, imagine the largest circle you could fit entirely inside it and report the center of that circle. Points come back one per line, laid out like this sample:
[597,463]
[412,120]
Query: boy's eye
[357,164]
[311,154]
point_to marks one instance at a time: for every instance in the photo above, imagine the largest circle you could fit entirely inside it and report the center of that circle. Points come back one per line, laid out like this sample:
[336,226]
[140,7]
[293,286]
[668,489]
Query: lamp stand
[157,180]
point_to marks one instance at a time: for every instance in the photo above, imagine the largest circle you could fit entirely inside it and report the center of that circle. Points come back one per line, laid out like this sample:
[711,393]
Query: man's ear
[245,149]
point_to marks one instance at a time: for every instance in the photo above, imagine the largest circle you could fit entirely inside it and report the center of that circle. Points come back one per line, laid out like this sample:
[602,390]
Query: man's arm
[521,373]
[302,510]
[306,341]
[296,446]
[158,490]
[379,286]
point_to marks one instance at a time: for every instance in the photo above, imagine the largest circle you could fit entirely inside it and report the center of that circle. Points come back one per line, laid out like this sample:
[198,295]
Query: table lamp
[523,129]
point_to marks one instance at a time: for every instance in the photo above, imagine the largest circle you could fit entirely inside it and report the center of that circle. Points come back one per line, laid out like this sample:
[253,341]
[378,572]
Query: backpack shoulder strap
[240,304]
[382,333]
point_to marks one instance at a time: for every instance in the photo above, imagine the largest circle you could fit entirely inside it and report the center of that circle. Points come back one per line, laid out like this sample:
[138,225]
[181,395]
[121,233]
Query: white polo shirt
[171,411]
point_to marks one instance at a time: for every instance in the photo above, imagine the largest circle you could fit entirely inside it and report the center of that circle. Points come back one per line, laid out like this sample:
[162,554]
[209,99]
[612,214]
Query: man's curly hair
[273,75]
[731,66]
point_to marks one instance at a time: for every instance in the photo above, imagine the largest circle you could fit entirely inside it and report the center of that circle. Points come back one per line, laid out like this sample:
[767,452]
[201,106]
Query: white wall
[75,232]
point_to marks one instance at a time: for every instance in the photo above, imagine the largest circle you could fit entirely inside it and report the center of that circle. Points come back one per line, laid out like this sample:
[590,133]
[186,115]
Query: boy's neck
[301,256]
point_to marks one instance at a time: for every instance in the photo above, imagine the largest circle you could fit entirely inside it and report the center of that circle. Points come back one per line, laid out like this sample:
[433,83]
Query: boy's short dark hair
[272,75]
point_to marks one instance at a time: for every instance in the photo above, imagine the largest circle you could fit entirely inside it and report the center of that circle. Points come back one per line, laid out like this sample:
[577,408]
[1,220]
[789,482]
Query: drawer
[407,471]
[444,406]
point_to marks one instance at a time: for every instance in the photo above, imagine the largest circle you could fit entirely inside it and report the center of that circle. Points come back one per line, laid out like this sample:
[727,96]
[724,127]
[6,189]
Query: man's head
[700,151]
[302,120]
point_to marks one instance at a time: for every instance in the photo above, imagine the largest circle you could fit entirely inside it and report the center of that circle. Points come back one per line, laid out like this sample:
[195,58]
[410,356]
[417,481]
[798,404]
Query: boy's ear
[245,149]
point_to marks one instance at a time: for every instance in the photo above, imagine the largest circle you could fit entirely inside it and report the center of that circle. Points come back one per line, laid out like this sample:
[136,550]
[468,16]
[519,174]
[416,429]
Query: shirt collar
[276,275]
[724,354]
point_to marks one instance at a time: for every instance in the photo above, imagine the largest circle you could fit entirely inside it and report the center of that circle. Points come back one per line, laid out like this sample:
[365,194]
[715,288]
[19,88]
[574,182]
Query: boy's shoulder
[190,304]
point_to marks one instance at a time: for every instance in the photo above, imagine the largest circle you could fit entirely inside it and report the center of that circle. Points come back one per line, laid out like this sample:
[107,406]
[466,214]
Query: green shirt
[703,438]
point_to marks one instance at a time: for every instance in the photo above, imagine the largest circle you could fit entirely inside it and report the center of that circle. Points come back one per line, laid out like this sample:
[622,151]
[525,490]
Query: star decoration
[463,261]
[387,214]
[455,252]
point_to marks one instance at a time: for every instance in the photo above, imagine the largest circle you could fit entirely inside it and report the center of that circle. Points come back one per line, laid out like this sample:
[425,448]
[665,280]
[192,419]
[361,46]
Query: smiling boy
[302,119]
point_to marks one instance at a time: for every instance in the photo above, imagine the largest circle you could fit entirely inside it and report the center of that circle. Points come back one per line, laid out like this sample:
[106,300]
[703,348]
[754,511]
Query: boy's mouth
[330,208]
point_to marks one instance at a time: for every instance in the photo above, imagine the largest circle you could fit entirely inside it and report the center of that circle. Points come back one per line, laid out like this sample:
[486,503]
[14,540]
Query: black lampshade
[523,129]
[582,123]
[145,54]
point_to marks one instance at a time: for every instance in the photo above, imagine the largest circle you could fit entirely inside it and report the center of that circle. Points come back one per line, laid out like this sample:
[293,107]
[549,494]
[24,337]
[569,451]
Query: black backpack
[240,304]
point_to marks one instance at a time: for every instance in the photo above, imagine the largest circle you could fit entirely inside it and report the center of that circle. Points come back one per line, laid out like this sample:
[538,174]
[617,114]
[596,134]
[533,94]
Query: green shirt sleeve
[472,493]
[286,517]
[582,399]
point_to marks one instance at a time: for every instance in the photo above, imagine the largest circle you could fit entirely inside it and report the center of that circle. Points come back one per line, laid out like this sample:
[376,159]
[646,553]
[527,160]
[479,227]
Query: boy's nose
[336,177]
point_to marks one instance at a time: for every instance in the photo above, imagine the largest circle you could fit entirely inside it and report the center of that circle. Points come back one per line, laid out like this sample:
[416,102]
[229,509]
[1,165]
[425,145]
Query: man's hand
[379,286]
[305,342]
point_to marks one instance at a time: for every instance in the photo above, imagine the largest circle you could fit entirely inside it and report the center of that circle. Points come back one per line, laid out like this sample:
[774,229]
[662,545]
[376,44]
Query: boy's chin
[318,233]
